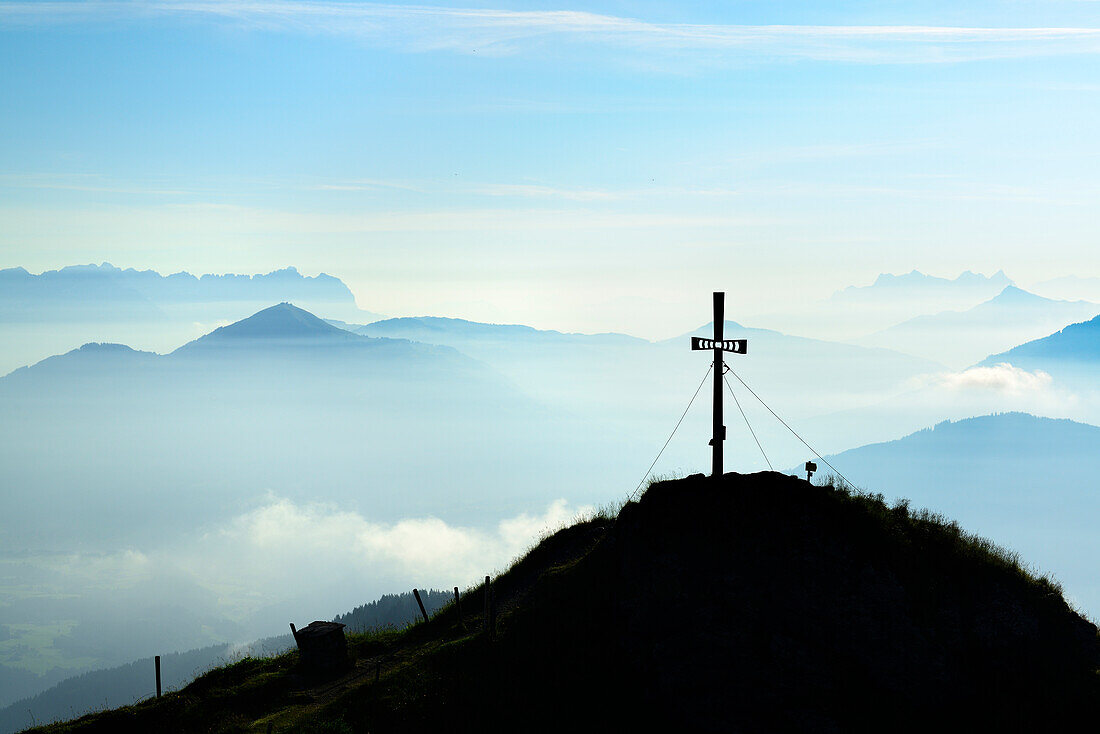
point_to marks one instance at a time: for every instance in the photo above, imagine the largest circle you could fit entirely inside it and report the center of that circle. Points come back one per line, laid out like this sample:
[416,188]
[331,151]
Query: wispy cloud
[1069,87]
[527,191]
[534,191]
[828,152]
[566,195]
[497,31]
[86,182]
[365,184]
[1002,377]
[218,220]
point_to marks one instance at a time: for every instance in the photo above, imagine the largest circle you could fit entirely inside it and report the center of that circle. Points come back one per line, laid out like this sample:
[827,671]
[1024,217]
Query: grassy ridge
[749,603]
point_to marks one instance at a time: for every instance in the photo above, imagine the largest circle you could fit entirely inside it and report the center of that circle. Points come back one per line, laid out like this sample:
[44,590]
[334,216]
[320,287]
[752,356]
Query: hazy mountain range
[50,312]
[860,310]
[960,338]
[104,292]
[114,457]
[918,287]
[280,401]
[621,376]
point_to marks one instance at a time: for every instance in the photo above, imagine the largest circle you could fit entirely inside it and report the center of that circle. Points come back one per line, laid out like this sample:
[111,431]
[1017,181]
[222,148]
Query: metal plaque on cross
[740,346]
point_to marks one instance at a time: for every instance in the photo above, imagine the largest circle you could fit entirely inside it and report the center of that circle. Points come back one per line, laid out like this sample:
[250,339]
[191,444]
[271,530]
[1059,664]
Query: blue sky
[594,166]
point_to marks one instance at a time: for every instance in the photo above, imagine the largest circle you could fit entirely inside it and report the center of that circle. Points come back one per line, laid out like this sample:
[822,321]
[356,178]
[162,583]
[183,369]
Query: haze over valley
[285,461]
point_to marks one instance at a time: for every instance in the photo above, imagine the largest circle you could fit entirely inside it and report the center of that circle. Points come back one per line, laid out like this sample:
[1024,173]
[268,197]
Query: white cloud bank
[282,552]
[501,31]
[1001,387]
[282,534]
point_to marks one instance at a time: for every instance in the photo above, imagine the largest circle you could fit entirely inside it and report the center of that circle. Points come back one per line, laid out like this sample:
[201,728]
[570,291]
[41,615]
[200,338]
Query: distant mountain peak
[1015,295]
[283,321]
[105,347]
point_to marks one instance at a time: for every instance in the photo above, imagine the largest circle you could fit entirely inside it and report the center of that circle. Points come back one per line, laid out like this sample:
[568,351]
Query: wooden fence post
[156,664]
[492,612]
[490,621]
[485,613]
[419,603]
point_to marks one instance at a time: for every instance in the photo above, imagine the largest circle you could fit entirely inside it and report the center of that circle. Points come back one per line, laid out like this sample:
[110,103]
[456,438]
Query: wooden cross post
[719,345]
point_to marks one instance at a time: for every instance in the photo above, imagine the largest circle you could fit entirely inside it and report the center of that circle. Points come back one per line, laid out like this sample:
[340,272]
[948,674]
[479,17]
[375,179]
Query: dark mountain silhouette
[960,338]
[1072,353]
[1022,479]
[744,603]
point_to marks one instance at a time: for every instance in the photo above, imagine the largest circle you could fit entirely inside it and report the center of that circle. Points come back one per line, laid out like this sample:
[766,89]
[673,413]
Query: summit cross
[719,345]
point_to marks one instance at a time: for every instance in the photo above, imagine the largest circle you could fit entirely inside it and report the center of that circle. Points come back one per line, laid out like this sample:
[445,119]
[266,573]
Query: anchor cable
[754,438]
[701,382]
[811,448]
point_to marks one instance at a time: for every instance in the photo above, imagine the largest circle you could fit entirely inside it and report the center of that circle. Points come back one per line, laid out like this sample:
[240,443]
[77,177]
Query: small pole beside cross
[719,345]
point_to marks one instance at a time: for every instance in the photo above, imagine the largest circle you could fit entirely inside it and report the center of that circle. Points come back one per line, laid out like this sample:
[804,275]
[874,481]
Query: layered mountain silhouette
[961,338]
[282,335]
[250,398]
[1025,480]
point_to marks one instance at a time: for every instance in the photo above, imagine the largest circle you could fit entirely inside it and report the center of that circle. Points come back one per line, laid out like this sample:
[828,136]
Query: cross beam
[719,345]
